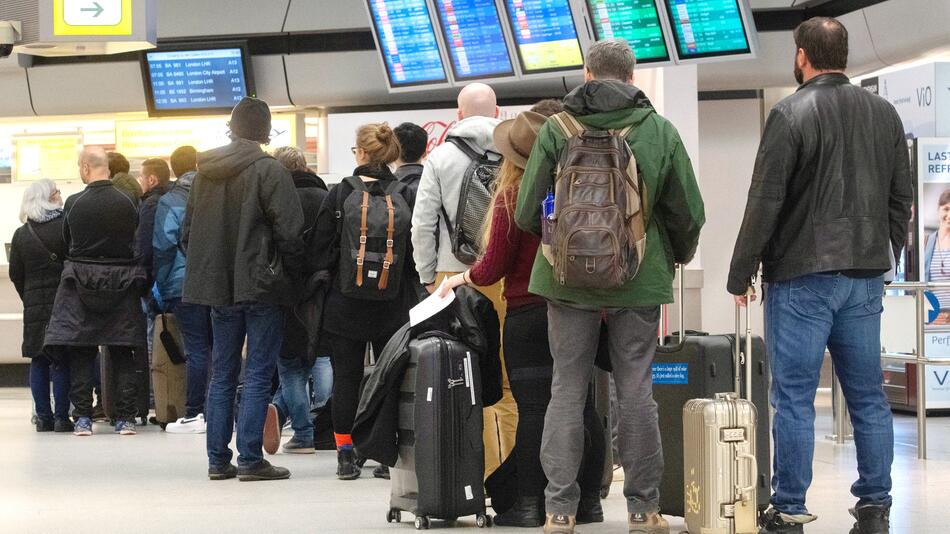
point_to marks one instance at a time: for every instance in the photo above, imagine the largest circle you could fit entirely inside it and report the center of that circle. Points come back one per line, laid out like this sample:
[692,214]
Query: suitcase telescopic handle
[743,360]
[681,308]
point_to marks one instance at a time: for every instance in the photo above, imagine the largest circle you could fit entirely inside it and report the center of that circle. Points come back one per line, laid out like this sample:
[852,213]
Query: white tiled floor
[155,483]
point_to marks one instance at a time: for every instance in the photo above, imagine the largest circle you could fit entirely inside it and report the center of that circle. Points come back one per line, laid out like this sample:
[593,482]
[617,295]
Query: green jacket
[674,205]
[124,182]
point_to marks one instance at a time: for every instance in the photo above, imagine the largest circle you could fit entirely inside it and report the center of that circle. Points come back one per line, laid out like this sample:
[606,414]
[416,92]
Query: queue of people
[233,244]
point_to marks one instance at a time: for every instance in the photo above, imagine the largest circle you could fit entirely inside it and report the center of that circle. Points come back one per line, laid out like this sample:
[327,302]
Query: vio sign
[925,97]
[941,377]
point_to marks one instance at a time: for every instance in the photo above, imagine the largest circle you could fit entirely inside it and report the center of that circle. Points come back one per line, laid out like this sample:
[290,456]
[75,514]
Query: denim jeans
[262,325]
[293,397]
[803,316]
[42,370]
[195,323]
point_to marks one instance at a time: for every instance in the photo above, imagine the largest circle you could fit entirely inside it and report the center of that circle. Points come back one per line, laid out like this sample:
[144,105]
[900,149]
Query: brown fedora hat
[515,137]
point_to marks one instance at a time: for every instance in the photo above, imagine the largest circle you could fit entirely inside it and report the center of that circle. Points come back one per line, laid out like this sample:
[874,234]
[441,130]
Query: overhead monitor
[196,79]
[475,39]
[636,21]
[406,39]
[705,29]
[545,35]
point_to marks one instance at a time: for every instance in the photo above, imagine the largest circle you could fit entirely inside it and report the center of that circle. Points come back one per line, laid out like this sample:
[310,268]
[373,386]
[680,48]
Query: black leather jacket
[831,188]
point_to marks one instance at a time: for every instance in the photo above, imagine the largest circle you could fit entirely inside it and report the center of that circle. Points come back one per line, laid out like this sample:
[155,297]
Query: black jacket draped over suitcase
[472,319]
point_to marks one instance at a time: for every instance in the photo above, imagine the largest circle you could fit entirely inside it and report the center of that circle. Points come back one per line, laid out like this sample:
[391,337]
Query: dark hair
[117,164]
[158,168]
[413,141]
[548,107]
[944,198]
[825,42]
[184,159]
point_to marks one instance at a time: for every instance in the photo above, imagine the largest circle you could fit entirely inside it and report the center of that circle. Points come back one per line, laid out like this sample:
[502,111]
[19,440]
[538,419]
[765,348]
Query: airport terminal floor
[155,483]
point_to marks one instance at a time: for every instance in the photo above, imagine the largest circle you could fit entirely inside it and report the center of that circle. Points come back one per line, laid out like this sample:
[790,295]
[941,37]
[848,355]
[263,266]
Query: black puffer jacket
[242,228]
[35,274]
[831,190]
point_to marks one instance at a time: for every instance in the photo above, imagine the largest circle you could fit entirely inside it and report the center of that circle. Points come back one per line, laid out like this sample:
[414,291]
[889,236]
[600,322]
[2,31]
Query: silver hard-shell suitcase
[719,461]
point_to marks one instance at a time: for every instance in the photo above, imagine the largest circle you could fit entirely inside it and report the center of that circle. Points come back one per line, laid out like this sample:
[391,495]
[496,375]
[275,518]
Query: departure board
[475,38]
[196,81]
[407,42]
[708,28]
[546,36]
[635,21]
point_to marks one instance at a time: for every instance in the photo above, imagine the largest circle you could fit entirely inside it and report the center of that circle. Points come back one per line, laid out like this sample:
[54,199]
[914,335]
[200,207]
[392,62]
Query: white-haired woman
[36,263]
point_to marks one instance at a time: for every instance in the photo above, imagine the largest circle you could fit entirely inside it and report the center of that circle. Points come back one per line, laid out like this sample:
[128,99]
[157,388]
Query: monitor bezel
[458,78]
[664,30]
[396,87]
[751,37]
[250,88]
[542,73]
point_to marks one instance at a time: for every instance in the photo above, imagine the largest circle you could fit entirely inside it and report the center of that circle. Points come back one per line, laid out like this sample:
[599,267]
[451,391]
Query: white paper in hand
[430,306]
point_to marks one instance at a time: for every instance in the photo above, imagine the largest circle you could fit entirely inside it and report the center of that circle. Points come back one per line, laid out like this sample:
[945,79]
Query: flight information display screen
[546,36]
[636,21]
[475,38]
[708,28]
[196,81]
[407,42]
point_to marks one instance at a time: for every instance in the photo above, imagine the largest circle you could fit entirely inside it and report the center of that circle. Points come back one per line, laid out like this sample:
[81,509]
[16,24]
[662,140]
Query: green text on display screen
[708,28]
[636,21]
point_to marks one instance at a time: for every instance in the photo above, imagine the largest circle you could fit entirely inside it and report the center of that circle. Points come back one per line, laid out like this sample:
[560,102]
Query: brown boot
[559,524]
[652,523]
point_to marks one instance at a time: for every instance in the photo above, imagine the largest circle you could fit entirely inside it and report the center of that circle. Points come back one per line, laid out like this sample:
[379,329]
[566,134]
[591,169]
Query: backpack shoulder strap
[361,255]
[390,243]
[568,124]
[625,132]
[52,255]
[466,148]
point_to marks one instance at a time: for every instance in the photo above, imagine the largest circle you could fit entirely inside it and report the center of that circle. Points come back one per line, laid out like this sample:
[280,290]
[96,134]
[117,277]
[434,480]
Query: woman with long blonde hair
[510,253]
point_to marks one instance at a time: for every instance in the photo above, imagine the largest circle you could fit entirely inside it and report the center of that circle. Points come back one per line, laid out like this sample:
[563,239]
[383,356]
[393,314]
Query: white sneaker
[194,425]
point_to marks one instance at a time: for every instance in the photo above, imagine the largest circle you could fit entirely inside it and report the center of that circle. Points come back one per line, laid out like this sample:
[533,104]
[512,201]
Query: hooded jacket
[242,228]
[439,188]
[168,256]
[674,205]
[124,182]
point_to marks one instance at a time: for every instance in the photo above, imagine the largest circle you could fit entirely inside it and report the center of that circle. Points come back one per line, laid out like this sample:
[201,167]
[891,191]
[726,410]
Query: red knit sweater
[510,255]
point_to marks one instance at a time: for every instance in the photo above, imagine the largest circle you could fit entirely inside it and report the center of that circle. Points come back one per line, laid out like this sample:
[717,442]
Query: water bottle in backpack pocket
[375,221]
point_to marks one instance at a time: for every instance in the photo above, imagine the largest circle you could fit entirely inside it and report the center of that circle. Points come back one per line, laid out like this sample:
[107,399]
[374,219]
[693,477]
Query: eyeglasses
[353,150]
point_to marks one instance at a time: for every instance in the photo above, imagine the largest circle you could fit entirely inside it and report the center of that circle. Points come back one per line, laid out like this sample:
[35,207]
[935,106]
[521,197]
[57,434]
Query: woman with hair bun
[362,238]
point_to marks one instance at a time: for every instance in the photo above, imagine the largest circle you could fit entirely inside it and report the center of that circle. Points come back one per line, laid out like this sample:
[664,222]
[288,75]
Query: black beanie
[250,120]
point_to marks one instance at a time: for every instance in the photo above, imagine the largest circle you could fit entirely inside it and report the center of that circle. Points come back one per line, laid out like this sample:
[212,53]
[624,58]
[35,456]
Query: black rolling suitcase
[107,377]
[700,366]
[440,469]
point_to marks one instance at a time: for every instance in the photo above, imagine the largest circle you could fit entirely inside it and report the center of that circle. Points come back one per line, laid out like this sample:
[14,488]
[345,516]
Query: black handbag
[170,344]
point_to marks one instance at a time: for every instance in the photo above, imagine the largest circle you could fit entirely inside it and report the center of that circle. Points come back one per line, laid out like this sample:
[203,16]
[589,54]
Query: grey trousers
[574,334]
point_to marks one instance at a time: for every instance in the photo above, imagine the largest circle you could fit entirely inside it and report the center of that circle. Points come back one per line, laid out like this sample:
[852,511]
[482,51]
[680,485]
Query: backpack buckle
[359,262]
[386,265]
[390,243]
[362,240]
[591,265]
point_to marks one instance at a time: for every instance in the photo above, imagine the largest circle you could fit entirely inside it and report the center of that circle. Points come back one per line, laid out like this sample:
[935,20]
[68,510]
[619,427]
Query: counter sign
[92,17]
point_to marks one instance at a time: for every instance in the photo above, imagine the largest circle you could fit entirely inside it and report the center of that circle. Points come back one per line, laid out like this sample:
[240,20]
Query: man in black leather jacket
[828,211]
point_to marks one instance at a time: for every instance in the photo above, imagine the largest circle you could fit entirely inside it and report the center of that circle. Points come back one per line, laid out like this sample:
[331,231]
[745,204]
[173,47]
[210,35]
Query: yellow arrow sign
[92,17]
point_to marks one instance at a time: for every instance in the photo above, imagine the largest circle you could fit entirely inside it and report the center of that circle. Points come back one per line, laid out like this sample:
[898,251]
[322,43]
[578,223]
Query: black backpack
[478,186]
[374,221]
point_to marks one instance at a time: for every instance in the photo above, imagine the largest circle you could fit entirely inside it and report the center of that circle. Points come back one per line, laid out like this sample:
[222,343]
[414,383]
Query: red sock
[343,440]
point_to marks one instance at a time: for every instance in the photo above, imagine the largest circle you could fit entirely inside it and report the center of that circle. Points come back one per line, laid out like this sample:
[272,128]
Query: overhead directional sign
[92,17]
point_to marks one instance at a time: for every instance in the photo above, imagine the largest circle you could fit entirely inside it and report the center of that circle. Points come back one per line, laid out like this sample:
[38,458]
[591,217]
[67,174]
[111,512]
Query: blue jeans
[41,371]
[293,398]
[802,317]
[262,325]
[195,323]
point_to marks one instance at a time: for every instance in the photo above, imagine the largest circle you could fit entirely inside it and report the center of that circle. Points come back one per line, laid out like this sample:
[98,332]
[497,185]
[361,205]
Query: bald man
[438,200]
[99,227]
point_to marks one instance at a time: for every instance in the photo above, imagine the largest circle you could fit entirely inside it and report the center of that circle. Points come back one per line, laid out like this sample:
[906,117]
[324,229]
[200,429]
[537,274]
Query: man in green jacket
[675,215]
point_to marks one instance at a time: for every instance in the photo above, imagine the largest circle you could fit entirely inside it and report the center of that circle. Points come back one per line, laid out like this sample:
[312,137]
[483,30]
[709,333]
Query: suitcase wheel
[422,523]
[484,521]
[393,516]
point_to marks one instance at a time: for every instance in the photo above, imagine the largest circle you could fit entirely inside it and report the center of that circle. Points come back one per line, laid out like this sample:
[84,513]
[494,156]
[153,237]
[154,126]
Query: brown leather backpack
[599,234]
